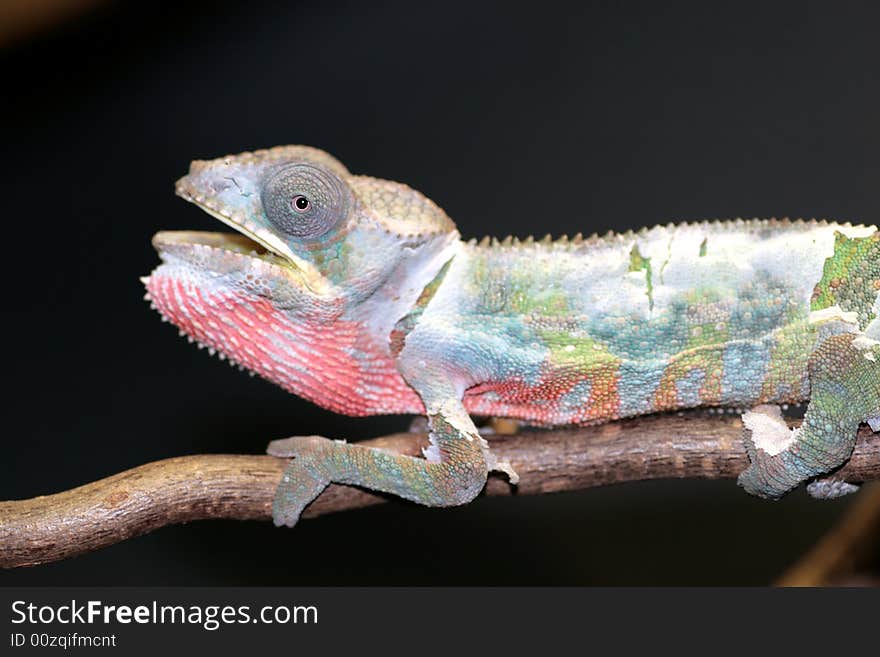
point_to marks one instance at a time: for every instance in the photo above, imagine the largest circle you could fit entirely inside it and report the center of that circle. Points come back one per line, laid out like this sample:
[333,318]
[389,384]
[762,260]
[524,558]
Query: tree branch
[176,490]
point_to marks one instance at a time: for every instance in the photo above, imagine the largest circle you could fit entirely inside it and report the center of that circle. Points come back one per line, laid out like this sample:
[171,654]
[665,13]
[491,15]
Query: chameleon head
[303,210]
[336,256]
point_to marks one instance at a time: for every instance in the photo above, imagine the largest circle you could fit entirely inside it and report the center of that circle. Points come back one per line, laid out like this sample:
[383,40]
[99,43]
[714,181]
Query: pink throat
[333,365]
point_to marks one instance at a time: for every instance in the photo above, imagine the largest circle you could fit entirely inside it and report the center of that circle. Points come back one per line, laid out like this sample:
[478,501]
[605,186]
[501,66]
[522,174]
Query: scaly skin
[358,294]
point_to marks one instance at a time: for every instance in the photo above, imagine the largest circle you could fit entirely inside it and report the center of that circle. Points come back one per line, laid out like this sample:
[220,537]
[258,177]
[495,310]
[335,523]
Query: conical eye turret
[305,201]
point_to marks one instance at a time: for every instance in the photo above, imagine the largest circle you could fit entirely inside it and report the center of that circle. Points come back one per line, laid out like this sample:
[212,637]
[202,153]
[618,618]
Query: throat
[334,365]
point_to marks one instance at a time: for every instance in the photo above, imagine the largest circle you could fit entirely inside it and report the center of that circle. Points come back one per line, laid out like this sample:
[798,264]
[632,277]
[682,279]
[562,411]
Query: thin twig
[137,501]
[840,556]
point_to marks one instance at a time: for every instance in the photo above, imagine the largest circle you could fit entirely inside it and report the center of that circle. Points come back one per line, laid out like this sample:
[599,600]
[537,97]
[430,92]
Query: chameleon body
[359,295]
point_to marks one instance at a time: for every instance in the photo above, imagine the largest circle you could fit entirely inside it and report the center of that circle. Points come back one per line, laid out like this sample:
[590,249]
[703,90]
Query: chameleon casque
[359,295]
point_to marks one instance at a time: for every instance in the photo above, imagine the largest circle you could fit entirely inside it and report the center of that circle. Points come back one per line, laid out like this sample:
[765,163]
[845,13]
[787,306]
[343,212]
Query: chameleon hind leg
[844,373]
[453,471]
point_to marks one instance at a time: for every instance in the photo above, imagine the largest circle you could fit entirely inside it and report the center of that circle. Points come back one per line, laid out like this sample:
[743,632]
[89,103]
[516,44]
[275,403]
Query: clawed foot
[829,488]
[302,481]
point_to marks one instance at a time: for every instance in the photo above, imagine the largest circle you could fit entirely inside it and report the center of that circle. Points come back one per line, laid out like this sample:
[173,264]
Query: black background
[516,119]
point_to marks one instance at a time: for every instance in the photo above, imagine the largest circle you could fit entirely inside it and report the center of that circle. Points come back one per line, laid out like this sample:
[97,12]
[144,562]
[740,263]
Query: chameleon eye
[304,201]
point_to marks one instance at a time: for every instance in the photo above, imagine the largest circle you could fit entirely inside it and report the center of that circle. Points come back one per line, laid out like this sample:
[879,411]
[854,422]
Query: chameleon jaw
[267,242]
[236,243]
[228,252]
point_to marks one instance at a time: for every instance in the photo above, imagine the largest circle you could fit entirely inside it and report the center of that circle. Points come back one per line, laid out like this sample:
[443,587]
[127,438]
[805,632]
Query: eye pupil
[302,201]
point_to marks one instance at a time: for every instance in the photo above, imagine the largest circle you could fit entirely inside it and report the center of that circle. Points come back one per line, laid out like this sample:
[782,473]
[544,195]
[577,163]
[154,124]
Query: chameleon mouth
[236,244]
[269,244]
[248,244]
[233,252]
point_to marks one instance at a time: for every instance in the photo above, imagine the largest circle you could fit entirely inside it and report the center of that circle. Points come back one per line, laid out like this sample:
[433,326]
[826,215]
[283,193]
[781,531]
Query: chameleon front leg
[453,472]
[844,373]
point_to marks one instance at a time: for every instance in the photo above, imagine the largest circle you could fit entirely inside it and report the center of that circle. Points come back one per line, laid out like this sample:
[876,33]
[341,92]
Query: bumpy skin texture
[358,294]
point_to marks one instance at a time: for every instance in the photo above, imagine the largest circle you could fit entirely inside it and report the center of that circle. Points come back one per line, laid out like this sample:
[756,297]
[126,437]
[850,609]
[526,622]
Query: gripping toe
[302,481]
[829,488]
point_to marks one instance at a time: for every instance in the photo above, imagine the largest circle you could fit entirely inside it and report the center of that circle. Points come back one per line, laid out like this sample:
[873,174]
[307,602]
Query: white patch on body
[736,253]
[394,299]
[769,431]
[432,452]
[856,231]
[833,312]
[452,412]
[872,330]
[866,345]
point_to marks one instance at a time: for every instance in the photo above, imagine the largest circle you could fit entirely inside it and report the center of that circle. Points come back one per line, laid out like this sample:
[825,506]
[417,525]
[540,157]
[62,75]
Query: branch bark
[137,501]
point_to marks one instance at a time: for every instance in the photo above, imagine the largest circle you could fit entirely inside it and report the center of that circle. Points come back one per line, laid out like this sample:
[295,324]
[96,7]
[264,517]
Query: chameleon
[360,295]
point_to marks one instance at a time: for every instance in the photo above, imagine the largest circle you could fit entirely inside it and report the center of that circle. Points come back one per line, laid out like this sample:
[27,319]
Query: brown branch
[187,488]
